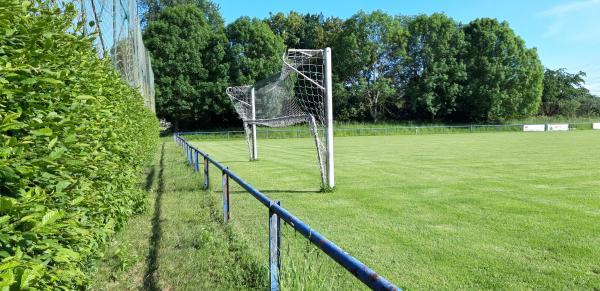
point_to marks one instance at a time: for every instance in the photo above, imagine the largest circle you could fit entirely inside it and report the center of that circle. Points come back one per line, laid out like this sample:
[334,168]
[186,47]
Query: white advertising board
[558,127]
[596,125]
[534,127]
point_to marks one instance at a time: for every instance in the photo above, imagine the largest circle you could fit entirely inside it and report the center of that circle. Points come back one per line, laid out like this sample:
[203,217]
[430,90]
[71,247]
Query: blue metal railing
[276,212]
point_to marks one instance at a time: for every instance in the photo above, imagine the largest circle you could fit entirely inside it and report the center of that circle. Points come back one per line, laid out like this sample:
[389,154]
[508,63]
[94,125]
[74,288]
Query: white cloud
[566,8]
[576,21]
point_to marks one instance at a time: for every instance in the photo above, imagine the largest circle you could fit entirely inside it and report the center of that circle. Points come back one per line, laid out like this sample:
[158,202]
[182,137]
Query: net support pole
[329,129]
[253,105]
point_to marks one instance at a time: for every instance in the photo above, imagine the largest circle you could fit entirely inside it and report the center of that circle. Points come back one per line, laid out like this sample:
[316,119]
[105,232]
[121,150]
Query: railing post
[197,166]
[225,197]
[274,247]
[206,183]
[187,153]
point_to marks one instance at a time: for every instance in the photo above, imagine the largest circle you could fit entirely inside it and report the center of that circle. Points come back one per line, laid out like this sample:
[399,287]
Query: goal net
[300,93]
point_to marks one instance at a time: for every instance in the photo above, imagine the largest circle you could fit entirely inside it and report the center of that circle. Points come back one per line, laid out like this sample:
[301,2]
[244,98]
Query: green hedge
[74,140]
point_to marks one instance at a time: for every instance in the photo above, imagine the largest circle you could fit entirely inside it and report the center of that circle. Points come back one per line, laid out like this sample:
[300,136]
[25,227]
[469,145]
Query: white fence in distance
[534,127]
[558,127]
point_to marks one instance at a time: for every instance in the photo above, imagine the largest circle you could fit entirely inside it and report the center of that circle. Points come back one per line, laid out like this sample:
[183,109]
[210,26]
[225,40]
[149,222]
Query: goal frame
[327,168]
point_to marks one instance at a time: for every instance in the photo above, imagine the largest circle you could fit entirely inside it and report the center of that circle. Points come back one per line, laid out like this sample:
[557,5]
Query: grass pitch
[490,210]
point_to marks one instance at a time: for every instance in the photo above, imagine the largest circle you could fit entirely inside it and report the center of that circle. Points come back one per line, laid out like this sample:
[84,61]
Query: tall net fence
[115,24]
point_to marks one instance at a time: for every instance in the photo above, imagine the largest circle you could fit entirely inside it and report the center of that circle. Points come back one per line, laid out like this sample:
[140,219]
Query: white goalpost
[300,93]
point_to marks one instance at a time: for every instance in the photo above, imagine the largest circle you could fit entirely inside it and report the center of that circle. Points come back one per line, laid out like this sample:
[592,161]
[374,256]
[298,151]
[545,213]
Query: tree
[589,106]
[367,51]
[152,8]
[563,92]
[290,28]
[504,77]
[433,71]
[308,31]
[188,59]
[255,51]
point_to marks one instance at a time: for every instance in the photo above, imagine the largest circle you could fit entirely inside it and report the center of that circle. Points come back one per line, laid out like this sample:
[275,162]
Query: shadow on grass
[149,180]
[150,282]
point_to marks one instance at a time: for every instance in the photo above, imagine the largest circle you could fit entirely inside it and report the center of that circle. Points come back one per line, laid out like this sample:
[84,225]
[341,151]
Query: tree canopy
[191,73]
[366,54]
[433,70]
[504,77]
[152,9]
[385,67]
[254,50]
[564,94]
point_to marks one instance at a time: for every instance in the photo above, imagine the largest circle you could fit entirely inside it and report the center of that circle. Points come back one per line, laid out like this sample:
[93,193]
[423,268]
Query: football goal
[299,93]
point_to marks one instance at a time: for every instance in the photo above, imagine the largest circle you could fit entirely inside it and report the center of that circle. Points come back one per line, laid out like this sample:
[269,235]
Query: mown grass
[478,211]
[508,210]
[180,243]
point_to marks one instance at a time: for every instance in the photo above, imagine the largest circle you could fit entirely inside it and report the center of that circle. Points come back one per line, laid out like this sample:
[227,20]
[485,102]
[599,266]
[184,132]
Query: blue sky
[566,33]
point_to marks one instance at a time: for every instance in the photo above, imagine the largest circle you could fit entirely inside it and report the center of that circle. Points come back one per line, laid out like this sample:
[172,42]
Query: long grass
[180,243]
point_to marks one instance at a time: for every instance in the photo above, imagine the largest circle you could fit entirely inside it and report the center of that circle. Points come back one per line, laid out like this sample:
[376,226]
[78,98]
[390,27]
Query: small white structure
[534,127]
[558,127]
[596,125]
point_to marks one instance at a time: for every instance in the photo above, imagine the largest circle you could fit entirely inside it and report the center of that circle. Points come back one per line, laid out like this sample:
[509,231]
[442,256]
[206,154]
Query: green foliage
[188,59]
[152,9]
[561,85]
[365,57]
[74,138]
[564,94]
[308,31]
[255,51]
[504,77]
[385,68]
[433,69]
[287,27]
